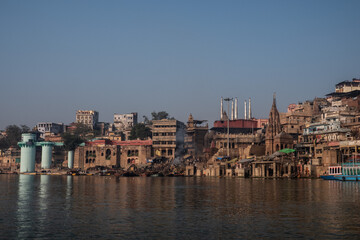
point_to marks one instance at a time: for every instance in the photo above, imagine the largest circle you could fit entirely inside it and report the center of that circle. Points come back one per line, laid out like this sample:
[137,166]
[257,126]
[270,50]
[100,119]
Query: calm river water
[68,207]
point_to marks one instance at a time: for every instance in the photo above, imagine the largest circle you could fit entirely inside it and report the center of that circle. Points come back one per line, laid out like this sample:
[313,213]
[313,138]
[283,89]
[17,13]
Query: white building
[49,128]
[87,117]
[125,121]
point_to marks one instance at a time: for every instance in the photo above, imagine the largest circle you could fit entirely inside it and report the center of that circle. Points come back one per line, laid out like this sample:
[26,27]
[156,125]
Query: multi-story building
[195,137]
[88,117]
[348,86]
[49,128]
[320,138]
[125,121]
[137,152]
[168,138]
[113,154]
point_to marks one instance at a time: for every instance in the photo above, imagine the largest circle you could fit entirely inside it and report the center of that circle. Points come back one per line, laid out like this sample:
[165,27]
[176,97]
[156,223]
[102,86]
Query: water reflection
[207,208]
[26,202]
[44,201]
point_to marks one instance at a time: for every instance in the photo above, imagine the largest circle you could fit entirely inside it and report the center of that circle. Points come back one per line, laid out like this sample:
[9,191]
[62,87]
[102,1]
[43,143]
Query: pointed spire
[274,99]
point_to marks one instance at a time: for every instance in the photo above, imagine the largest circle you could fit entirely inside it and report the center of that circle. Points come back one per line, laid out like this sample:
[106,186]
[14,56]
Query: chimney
[250,108]
[236,108]
[245,117]
[221,109]
[232,110]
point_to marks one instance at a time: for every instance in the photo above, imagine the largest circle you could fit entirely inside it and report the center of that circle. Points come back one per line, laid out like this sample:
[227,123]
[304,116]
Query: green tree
[71,141]
[159,115]
[82,130]
[146,120]
[25,129]
[4,143]
[13,134]
[140,131]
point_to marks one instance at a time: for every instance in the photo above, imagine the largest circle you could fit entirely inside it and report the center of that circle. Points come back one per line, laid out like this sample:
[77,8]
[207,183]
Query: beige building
[88,117]
[113,154]
[168,138]
[348,86]
[100,153]
[135,152]
[195,137]
[10,158]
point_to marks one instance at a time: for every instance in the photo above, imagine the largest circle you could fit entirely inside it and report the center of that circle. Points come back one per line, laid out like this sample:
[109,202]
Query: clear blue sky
[178,56]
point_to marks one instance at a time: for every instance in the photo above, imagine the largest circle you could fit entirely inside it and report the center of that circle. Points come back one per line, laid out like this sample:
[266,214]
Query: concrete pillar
[263,174]
[275,172]
[70,159]
[46,154]
[28,151]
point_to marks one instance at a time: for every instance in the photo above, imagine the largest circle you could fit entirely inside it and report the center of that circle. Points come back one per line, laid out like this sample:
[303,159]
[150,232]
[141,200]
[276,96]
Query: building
[195,137]
[49,128]
[135,152]
[10,158]
[275,138]
[125,121]
[168,138]
[348,86]
[113,154]
[88,117]
[97,153]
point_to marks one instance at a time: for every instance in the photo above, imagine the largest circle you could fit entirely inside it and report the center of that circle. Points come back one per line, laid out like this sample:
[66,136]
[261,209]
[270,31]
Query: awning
[287,150]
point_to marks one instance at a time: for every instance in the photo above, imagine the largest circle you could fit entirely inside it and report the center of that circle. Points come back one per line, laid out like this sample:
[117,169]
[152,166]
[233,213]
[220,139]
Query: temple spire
[274,99]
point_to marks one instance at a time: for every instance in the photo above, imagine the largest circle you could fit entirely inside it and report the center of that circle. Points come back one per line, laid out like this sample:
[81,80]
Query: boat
[350,172]
[332,172]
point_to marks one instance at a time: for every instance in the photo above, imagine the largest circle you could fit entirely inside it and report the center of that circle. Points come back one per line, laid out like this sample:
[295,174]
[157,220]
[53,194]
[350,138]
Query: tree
[71,141]
[82,130]
[146,120]
[159,115]
[25,129]
[140,131]
[4,143]
[13,134]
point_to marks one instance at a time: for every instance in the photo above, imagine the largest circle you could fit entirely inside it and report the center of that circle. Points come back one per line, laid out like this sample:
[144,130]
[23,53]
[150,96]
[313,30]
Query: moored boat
[349,173]
[332,172]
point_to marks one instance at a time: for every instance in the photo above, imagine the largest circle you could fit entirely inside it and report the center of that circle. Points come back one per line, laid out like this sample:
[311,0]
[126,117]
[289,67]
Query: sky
[177,56]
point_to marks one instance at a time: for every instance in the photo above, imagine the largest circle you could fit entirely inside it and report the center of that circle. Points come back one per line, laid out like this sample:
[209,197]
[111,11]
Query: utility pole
[228,123]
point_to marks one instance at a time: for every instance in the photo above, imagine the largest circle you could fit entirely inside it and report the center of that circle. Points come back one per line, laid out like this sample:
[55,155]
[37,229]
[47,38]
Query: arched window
[108,154]
[277,147]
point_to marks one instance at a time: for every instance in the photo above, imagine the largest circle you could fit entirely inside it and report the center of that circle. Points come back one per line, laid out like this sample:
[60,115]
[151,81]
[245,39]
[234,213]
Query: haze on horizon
[178,56]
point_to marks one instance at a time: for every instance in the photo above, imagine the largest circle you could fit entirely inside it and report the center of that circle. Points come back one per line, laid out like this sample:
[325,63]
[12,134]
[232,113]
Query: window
[108,154]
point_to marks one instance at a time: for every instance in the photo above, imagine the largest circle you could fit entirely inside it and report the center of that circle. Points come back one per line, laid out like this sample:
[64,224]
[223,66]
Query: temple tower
[273,128]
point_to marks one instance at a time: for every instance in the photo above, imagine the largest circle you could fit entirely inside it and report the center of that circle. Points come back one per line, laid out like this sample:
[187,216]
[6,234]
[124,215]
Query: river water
[68,207]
